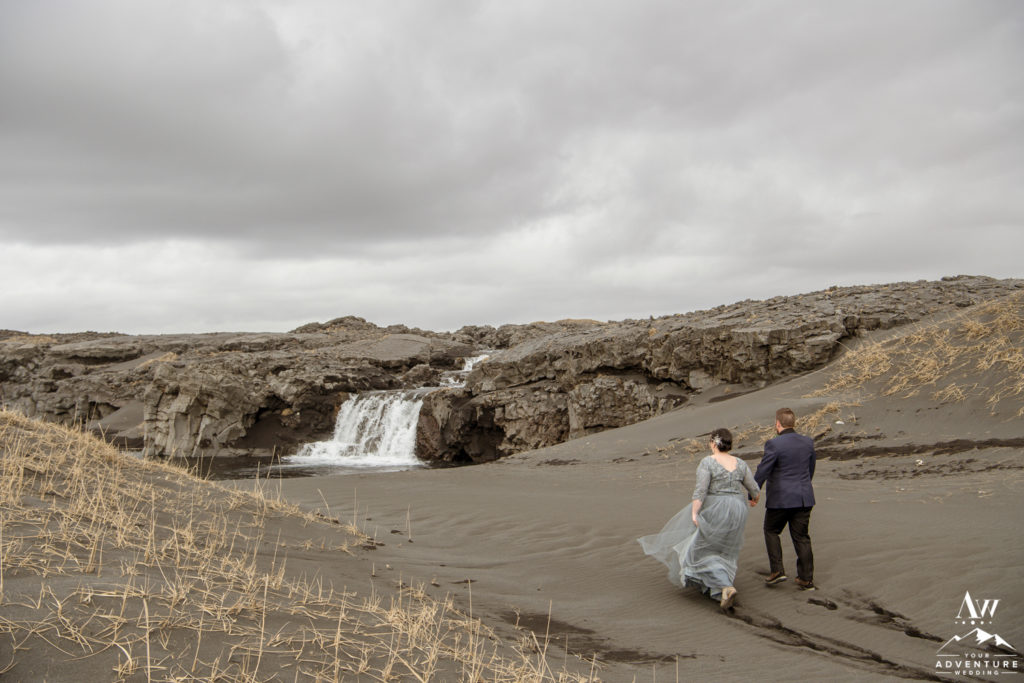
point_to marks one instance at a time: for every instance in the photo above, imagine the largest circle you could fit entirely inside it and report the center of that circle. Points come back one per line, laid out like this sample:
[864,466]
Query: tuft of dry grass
[939,359]
[816,424]
[168,357]
[113,568]
[31,339]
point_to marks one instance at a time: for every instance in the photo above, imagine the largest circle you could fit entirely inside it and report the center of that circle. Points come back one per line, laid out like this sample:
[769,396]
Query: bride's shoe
[728,597]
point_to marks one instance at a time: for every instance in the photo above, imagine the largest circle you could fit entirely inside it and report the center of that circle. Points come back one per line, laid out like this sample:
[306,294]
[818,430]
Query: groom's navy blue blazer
[788,467]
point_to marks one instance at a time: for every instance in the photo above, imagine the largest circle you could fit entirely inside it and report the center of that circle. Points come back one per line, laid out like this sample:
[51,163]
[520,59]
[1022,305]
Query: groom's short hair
[786,418]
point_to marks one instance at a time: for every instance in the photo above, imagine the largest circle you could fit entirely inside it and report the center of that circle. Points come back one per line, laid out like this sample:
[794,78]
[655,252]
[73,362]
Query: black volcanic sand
[918,502]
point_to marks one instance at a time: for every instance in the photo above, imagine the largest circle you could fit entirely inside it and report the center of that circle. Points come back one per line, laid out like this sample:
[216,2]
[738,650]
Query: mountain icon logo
[975,638]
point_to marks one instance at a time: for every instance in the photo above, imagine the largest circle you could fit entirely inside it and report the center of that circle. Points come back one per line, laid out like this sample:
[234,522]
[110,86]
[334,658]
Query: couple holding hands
[701,544]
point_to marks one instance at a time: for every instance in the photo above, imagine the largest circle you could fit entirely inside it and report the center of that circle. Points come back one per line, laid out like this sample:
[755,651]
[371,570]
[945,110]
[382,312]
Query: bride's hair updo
[722,438]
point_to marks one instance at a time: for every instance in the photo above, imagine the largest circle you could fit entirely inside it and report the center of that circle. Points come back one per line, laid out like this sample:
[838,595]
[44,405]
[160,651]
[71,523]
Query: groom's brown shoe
[774,578]
[805,585]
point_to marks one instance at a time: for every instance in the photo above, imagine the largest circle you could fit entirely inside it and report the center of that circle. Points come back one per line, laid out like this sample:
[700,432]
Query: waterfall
[457,378]
[377,429]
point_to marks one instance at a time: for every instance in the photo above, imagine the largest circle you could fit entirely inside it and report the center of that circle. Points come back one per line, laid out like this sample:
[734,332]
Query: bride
[701,544]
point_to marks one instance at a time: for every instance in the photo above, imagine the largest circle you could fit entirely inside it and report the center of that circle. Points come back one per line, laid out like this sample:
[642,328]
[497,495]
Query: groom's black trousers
[799,521]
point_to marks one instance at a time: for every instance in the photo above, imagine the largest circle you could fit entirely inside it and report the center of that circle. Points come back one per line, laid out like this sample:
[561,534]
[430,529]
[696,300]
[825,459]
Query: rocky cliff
[565,384]
[225,394]
[215,394]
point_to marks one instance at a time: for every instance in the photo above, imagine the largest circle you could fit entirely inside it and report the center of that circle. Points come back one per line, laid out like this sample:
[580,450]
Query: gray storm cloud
[450,163]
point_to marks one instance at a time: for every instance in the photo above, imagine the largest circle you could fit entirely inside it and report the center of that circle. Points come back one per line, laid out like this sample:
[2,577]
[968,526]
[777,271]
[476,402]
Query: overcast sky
[208,165]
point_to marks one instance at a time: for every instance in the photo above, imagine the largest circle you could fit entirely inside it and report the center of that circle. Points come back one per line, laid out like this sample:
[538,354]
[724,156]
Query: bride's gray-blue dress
[706,555]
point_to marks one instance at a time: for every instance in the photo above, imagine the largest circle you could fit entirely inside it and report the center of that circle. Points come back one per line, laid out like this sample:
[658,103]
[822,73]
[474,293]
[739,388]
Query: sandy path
[894,556]
[536,539]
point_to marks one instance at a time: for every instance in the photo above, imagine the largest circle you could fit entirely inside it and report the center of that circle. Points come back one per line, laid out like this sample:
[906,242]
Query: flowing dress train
[706,555]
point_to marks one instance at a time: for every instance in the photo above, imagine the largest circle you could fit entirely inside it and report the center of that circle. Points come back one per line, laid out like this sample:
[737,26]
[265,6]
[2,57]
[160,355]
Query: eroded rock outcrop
[564,384]
[223,394]
[215,394]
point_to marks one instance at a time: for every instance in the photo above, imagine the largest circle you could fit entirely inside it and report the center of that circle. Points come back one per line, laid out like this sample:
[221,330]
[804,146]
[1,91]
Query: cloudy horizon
[220,165]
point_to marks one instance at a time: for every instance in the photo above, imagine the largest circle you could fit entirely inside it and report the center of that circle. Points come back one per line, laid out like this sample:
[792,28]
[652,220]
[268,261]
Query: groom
[788,467]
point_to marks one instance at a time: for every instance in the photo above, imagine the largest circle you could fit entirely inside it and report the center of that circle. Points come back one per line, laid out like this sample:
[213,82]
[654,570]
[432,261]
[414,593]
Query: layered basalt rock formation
[229,394]
[216,394]
[566,384]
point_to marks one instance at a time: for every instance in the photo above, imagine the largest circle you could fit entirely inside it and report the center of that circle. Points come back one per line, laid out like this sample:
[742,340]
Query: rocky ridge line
[259,393]
[566,385]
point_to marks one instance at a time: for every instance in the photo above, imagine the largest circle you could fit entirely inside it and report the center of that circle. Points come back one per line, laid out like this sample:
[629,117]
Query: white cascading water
[377,430]
[457,378]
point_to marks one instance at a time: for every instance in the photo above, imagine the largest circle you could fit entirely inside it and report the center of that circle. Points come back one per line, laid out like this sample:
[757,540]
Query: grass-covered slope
[113,568]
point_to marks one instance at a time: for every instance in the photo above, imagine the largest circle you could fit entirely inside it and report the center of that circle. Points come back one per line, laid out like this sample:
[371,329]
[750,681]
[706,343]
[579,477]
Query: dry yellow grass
[754,434]
[168,357]
[29,339]
[944,360]
[113,568]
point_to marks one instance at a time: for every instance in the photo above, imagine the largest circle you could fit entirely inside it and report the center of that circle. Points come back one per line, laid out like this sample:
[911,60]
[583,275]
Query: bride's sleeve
[703,481]
[750,483]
